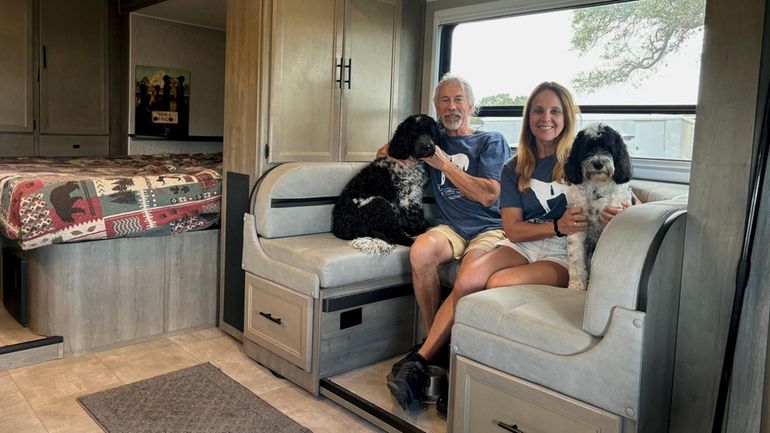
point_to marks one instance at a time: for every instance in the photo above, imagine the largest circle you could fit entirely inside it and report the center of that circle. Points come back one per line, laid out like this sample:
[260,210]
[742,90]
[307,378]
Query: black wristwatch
[556,229]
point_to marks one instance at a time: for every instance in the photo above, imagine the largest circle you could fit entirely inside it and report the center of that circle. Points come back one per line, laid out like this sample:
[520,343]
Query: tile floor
[11,332]
[41,397]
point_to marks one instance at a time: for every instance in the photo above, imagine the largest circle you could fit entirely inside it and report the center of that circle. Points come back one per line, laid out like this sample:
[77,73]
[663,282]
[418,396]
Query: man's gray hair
[448,78]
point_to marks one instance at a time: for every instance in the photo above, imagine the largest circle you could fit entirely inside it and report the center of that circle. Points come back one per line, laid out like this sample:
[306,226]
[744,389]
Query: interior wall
[721,161]
[200,50]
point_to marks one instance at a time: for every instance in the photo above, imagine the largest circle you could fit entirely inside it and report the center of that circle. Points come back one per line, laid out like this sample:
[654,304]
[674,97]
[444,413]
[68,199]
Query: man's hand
[438,160]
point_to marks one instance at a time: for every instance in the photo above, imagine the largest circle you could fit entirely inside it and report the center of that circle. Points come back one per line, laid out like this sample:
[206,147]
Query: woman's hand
[609,212]
[573,221]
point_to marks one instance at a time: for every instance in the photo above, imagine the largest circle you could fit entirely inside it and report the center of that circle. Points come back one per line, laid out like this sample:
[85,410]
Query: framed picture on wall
[162,103]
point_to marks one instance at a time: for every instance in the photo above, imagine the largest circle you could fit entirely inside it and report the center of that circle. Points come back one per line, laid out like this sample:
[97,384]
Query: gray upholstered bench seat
[543,317]
[334,261]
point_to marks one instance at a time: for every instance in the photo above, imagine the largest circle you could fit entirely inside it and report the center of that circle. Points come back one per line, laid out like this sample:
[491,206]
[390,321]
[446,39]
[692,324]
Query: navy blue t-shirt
[544,200]
[481,154]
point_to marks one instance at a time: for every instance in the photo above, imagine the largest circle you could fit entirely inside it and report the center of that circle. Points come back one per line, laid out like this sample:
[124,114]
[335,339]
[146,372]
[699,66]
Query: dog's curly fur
[599,170]
[384,200]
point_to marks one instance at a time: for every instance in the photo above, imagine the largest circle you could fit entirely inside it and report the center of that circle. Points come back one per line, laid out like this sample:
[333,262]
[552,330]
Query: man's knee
[428,251]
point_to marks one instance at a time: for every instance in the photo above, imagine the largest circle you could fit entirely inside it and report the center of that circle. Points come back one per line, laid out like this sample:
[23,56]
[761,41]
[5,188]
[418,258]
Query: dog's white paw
[372,246]
[576,284]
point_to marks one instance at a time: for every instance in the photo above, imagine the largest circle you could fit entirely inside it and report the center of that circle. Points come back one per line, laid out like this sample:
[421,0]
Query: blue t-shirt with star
[481,154]
[544,200]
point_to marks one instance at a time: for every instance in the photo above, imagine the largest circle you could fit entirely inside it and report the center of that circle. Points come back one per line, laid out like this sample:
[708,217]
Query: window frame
[446,20]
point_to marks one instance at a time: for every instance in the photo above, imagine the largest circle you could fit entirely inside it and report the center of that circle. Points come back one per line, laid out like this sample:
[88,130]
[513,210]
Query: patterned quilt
[46,201]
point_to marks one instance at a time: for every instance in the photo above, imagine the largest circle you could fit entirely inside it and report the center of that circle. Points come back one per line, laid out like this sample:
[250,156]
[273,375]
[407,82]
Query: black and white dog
[599,170]
[384,200]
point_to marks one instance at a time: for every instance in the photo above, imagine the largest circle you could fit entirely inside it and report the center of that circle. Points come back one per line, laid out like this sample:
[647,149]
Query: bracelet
[556,229]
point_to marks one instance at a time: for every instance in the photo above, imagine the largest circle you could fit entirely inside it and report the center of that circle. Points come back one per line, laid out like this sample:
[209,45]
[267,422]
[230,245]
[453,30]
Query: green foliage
[502,99]
[635,37]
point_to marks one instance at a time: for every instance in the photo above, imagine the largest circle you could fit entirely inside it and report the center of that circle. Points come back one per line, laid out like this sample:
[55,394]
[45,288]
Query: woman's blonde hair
[527,153]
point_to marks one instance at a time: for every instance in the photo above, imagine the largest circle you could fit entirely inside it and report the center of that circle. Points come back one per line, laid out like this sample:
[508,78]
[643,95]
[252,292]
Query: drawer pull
[270,317]
[508,427]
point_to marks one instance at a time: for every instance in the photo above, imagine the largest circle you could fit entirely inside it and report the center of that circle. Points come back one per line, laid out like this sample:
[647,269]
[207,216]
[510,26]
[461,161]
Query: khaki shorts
[484,241]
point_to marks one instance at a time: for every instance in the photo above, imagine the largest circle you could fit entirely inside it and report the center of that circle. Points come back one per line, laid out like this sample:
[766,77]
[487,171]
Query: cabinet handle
[513,428]
[45,58]
[339,73]
[270,317]
[349,67]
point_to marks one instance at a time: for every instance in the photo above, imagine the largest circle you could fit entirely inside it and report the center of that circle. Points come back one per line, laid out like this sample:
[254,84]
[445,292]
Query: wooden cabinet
[73,67]
[488,400]
[279,319]
[332,78]
[54,77]
[16,66]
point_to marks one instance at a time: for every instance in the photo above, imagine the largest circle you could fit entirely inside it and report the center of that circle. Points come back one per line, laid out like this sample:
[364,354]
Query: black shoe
[408,379]
[409,357]
[441,404]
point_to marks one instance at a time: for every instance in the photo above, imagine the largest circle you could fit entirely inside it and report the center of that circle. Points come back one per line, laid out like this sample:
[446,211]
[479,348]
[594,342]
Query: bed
[46,201]
[116,249]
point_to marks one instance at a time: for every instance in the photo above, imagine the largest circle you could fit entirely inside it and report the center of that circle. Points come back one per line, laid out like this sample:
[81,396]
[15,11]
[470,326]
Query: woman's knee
[469,280]
[502,278]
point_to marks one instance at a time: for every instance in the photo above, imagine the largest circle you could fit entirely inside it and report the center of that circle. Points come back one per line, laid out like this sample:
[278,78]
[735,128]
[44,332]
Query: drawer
[74,145]
[279,319]
[486,400]
[16,145]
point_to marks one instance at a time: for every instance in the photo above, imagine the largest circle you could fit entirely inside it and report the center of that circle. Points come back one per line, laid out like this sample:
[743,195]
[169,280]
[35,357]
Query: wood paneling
[724,135]
[16,62]
[192,265]
[105,292]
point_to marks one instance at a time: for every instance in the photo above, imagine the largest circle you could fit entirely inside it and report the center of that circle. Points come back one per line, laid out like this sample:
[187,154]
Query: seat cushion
[334,261]
[543,317]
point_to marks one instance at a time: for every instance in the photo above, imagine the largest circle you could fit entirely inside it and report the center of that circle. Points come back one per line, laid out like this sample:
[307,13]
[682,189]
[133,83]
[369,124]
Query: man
[465,180]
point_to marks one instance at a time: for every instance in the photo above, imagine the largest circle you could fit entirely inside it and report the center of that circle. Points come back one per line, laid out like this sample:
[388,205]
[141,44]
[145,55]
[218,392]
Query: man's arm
[482,190]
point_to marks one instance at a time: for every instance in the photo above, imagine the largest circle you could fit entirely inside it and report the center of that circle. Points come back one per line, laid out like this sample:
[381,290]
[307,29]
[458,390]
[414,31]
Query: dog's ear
[399,144]
[622,160]
[572,169]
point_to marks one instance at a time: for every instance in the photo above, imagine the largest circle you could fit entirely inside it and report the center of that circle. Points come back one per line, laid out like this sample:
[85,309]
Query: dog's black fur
[384,200]
[594,141]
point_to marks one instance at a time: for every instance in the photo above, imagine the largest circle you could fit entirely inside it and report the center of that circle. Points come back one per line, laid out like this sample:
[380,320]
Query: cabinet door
[16,63]
[73,67]
[369,45]
[304,101]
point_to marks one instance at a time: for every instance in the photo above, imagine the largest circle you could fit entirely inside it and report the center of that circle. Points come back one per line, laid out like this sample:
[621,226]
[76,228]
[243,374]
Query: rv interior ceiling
[205,13]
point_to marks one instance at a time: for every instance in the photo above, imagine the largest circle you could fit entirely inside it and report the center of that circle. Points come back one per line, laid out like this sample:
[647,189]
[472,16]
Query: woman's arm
[518,230]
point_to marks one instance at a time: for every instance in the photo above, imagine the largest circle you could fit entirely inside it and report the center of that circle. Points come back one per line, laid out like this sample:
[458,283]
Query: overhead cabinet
[74,68]
[332,79]
[54,78]
[16,78]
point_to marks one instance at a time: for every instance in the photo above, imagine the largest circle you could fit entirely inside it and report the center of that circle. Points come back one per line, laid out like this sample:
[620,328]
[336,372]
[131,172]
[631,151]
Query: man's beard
[452,124]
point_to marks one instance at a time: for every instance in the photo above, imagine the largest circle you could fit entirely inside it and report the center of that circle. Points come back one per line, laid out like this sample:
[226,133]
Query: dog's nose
[598,165]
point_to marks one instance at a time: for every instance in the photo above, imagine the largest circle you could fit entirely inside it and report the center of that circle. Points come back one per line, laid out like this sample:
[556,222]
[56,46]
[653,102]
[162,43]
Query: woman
[533,201]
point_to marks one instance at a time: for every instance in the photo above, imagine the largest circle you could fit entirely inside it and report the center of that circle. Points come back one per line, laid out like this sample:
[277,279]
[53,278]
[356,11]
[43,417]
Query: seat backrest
[297,198]
[622,263]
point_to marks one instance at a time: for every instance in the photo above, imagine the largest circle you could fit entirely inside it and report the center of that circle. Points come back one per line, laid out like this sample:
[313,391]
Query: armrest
[624,258]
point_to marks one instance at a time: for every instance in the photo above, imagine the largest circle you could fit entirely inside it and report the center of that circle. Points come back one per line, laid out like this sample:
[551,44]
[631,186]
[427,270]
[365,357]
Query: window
[633,65]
